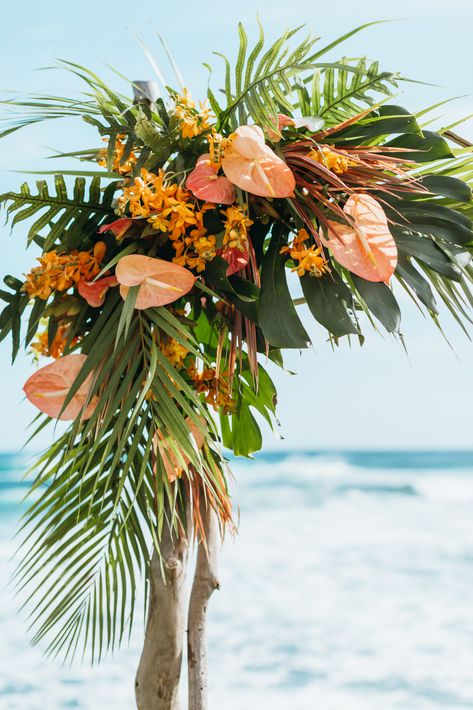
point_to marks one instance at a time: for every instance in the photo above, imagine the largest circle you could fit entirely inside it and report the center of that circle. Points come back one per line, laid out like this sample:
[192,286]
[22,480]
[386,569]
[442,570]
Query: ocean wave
[322,476]
[379,489]
[347,586]
[418,460]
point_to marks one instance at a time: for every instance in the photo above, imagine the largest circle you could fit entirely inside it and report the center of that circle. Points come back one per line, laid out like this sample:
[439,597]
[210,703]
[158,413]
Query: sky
[363,398]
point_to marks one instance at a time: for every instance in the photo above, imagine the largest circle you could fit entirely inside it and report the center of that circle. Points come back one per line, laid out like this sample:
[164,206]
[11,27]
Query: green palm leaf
[266,82]
[100,491]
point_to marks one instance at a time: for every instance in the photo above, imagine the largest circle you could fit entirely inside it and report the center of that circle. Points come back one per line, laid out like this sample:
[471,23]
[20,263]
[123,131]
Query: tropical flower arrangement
[165,284]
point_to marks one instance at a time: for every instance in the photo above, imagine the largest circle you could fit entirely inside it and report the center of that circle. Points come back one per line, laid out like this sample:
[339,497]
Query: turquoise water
[348,587]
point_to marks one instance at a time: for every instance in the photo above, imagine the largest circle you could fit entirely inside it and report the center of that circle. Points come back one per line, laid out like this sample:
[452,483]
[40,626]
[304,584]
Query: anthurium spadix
[49,386]
[366,247]
[252,166]
[160,281]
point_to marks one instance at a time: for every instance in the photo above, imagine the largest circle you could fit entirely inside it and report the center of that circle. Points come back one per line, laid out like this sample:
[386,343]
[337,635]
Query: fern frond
[338,93]
[60,210]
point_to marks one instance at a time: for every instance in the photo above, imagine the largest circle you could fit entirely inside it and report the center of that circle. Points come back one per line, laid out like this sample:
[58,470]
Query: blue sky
[370,397]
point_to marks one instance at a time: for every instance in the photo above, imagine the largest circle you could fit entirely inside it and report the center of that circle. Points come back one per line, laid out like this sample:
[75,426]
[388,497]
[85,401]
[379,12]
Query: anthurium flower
[49,386]
[252,166]
[236,258]
[94,292]
[119,227]
[206,184]
[173,466]
[367,248]
[160,281]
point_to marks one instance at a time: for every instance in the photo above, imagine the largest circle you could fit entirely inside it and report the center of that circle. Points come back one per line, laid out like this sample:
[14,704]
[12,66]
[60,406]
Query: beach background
[349,584]
[348,587]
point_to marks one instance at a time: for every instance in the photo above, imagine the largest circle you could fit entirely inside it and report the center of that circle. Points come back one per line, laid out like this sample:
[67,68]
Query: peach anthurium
[206,184]
[367,248]
[94,292]
[160,281]
[236,258]
[49,386]
[173,466]
[252,166]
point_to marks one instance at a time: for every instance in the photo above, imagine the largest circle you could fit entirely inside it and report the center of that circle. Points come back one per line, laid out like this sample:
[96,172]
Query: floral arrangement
[165,283]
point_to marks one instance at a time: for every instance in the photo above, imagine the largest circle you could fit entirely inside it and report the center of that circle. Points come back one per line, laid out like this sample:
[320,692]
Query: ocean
[348,587]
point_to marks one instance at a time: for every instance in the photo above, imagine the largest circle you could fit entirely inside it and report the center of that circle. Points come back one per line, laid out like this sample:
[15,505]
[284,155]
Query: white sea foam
[347,588]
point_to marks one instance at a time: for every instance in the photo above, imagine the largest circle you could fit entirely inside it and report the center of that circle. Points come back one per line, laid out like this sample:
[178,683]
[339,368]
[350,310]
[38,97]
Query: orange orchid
[252,166]
[49,386]
[235,241]
[160,281]
[367,248]
[206,184]
[61,271]
[94,292]
[307,259]
[42,346]
[125,167]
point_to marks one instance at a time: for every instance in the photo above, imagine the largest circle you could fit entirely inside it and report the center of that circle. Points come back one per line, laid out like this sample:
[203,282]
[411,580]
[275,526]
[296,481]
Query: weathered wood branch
[205,582]
[159,671]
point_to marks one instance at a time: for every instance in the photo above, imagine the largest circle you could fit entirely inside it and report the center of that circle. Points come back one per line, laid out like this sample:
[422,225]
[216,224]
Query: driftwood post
[158,677]
[159,671]
[205,582]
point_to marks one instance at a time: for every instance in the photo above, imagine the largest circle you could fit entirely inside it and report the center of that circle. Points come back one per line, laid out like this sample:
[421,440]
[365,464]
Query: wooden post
[159,671]
[205,582]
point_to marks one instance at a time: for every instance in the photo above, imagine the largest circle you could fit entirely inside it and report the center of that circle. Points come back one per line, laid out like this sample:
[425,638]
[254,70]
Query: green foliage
[380,301]
[436,236]
[382,121]
[71,219]
[240,431]
[329,298]
[262,79]
[423,148]
[101,493]
[270,80]
[276,312]
[341,90]
[10,317]
[97,501]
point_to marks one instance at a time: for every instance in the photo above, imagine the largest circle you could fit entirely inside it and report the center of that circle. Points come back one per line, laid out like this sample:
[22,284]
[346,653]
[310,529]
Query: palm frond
[100,491]
[262,80]
[266,82]
[110,112]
